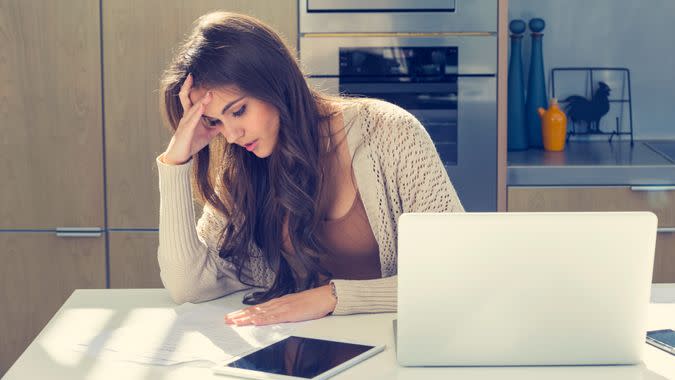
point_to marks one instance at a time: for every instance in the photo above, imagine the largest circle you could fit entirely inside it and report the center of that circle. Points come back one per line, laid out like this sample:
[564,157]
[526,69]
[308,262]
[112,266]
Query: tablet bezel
[223,369]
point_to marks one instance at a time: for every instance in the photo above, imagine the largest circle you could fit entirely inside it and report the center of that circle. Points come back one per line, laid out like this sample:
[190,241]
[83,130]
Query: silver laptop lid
[523,288]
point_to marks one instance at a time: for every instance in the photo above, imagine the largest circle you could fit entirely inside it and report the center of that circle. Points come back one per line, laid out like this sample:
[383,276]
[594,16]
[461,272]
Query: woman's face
[243,120]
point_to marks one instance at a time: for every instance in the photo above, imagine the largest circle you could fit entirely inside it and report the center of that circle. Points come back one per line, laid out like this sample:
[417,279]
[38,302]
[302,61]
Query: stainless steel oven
[446,79]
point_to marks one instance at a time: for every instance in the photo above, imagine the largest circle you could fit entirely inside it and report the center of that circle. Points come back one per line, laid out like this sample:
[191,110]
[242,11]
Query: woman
[301,191]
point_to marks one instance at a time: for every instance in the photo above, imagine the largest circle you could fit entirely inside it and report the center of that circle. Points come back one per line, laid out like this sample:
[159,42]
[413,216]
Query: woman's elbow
[179,290]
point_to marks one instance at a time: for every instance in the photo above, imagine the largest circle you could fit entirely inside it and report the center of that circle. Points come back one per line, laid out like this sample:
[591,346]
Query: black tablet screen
[663,336]
[300,357]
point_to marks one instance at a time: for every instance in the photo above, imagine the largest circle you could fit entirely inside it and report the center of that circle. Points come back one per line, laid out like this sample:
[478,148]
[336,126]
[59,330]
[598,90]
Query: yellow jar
[553,127]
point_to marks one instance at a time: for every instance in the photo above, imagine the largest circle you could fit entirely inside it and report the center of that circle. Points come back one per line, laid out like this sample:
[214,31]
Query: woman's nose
[232,134]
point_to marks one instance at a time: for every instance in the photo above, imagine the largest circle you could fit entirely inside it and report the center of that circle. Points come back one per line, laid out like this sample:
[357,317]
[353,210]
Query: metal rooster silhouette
[580,109]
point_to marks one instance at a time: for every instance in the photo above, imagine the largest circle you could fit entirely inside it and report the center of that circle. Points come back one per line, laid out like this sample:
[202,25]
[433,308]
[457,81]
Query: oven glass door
[422,80]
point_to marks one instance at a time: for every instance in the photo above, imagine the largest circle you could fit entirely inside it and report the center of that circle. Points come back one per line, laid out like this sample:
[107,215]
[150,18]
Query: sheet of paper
[190,332]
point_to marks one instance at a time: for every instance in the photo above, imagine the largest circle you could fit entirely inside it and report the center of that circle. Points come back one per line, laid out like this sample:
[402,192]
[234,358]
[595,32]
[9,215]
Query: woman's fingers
[237,314]
[247,311]
[193,116]
[199,105]
[184,96]
[197,110]
[188,139]
[267,319]
[259,319]
[184,93]
[257,314]
[240,319]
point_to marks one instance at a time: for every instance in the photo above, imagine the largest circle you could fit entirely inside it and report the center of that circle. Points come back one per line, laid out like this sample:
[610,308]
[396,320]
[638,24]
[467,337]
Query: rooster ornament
[580,109]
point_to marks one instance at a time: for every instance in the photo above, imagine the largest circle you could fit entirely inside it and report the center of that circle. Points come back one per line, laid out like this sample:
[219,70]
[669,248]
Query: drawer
[657,199]
[664,261]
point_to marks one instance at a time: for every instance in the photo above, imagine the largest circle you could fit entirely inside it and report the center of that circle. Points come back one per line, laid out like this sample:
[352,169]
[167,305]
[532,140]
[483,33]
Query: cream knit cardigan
[397,169]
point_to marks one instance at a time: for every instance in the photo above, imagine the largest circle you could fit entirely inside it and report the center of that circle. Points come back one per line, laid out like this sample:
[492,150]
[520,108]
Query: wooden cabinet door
[138,39]
[657,199]
[133,260]
[51,160]
[38,273]
[664,261]
[609,198]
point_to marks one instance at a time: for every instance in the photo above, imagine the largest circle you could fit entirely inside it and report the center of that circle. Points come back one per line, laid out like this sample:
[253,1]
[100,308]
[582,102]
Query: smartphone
[663,339]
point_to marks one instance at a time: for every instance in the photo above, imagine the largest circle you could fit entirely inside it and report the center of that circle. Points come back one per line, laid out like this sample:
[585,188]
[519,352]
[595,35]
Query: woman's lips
[251,146]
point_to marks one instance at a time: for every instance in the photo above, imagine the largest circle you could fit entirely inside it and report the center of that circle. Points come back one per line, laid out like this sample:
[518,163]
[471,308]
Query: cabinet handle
[663,230]
[652,188]
[79,231]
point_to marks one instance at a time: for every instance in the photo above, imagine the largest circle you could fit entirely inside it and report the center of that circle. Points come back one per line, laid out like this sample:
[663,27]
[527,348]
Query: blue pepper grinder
[516,126]
[536,85]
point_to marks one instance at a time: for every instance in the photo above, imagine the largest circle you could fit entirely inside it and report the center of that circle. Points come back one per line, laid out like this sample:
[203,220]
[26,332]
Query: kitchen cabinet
[133,259]
[39,271]
[50,145]
[51,163]
[664,262]
[657,199]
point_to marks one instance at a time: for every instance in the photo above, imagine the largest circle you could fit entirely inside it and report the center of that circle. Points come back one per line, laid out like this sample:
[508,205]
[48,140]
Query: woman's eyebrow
[227,106]
[230,104]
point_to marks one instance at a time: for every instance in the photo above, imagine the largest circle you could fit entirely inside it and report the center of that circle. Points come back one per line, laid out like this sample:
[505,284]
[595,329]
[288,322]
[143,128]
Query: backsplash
[616,33]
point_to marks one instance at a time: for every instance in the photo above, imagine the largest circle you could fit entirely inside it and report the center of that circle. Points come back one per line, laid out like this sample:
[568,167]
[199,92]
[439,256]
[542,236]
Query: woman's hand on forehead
[191,134]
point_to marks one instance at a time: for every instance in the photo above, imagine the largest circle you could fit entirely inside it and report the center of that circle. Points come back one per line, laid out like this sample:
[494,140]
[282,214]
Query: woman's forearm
[190,269]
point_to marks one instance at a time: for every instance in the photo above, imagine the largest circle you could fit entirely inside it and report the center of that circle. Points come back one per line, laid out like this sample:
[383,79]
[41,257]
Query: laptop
[502,289]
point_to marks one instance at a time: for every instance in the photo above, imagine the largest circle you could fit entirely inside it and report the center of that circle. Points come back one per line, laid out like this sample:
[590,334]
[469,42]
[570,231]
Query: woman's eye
[239,112]
[212,123]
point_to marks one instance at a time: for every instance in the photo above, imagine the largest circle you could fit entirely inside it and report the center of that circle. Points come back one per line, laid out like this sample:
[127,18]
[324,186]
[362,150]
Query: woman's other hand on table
[302,306]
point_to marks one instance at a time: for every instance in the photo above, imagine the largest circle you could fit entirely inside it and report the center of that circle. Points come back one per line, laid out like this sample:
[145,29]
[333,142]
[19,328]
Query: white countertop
[48,357]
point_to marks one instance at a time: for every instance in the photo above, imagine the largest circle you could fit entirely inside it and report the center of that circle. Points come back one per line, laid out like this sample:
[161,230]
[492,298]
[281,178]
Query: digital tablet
[298,358]
[663,339]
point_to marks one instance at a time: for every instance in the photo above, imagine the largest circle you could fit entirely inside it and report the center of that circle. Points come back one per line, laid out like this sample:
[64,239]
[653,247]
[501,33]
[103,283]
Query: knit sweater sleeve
[409,156]
[423,181]
[190,267]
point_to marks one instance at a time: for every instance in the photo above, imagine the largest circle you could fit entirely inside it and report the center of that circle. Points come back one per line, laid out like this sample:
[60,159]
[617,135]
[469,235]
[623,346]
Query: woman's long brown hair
[257,195]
